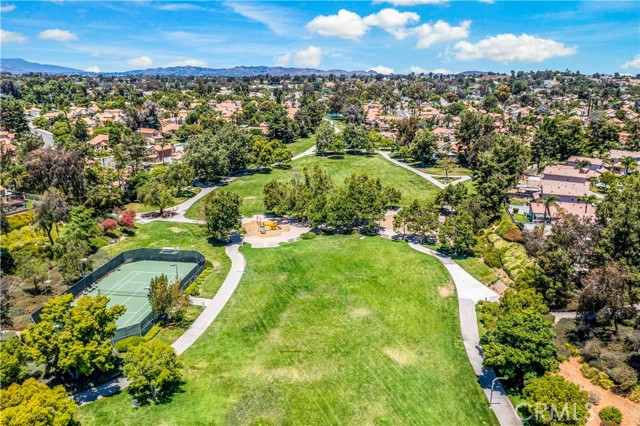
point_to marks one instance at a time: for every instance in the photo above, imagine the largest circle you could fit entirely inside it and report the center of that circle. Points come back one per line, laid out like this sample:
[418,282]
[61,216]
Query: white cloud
[93,68]
[506,48]
[441,31]
[634,63]
[420,70]
[283,60]
[57,35]
[140,62]
[411,2]
[345,24]
[487,1]
[392,21]
[8,8]
[277,19]
[380,69]
[11,37]
[178,7]
[309,57]
[187,63]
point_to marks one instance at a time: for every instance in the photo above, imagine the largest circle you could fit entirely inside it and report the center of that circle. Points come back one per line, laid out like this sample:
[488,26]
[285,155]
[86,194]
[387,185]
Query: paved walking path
[471,291]
[386,155]
[214,307]
[306,153]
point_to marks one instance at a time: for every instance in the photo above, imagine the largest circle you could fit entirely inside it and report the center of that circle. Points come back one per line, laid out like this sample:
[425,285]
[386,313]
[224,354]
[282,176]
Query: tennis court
[128,285]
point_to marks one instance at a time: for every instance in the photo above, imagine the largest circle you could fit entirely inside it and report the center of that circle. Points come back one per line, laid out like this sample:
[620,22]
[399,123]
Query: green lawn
[458,171]
[301,145]
[171,333]
[332,331]
[249,187]
[183,235]
[477,268]
[143,208]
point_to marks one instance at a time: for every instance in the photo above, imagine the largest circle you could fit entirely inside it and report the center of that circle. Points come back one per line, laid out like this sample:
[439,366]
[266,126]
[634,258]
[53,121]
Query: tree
[352,113]
[424,146]
[222,213]
[13,362]
[26,142]
[153,370]
[70,254]
[206,158]
[629,163]
[267,152]
[422,218]
[148,116]
[34,403]
[457,233]
[587,199]
[473,126]
[50,210]
[12,117]
[503,93]
[31,269]
[155,194]
[607,294]
[582,164]
[178,176]
[521,346]
[75,337]
[309,116]
[167,300]
[407,129]
[58,168]
[135,150]
[554,401]
[547,201]
[355,138]
[283,128]
[325,137]
[446,164]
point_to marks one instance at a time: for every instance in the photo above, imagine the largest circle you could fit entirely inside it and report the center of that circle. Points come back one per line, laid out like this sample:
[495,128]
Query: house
[152,135]
[161,153]
[562,173]
[170,128]
[566,192]
[100,143]
[444,135]
[537,211]
[13,201]
[595,164]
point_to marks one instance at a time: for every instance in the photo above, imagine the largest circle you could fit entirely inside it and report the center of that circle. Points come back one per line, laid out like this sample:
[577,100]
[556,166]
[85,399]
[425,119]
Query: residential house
[152,135]
[560,173]
[595,164]
[100,143]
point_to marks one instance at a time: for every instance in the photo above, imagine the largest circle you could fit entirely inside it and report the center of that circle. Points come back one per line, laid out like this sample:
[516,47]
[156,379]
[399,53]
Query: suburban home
[537,211]
[152,135]
[169,128]
[561,173]
[13,201]
[595,164]
[161,153]
[444,135]
[100,143]
[567,192]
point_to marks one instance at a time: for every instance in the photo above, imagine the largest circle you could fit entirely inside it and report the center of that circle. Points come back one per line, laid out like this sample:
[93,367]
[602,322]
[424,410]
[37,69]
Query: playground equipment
[264,226]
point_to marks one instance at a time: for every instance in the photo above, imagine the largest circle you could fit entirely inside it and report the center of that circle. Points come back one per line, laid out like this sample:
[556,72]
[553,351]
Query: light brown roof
[99,139]
[568,171]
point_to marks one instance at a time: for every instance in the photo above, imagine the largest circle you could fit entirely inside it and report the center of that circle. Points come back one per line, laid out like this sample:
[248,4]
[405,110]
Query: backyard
[250,187]
[335,330]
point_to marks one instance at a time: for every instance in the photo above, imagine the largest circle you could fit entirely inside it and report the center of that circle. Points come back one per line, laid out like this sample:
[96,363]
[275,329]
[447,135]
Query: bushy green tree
[424,146]
[34,403]
[167,299]
[12,118]
[553,401]
[156,194]
[325,137]
[75,337]
[153,370]
[222,213]
[457,233]
[13,362]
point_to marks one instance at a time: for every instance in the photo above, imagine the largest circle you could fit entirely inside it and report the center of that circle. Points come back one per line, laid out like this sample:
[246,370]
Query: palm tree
[629,163]
[587,199]
[548,201]
[582,164]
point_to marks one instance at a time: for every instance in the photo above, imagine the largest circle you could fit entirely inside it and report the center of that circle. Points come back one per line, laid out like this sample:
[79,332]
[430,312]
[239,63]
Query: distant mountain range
[21,66]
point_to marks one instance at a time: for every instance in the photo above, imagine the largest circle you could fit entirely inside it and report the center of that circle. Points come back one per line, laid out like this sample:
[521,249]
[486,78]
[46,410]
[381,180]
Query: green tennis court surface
[129,286]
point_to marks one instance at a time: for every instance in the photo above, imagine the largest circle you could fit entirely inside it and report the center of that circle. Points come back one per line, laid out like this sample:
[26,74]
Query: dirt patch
[387,222]
[359,313]
[253,230]
[176,230]
[402,356]
[249,198]
[446,290]
[570,370]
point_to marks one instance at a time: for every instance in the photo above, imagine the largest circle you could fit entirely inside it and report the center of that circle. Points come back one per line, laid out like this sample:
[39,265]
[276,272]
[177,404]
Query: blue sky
[389,36]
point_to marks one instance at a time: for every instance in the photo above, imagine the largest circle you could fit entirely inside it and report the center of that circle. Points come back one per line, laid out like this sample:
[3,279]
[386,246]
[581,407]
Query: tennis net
[123,293]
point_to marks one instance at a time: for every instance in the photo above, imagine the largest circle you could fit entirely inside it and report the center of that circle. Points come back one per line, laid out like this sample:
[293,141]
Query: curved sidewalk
[430,178]
[471,291]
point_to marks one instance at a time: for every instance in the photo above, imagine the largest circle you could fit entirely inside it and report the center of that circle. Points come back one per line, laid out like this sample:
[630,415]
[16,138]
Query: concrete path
[214,307]
[308,152]
[386,155]
[106,389]
[200,301]
[471,291]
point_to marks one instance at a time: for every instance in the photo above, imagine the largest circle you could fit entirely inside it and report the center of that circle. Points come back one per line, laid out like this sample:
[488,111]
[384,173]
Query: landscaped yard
[335,330]
[250,187]
[187,236]
[143,208]
[477,268]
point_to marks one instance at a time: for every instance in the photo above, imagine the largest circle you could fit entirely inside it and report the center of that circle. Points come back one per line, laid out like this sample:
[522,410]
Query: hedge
[19,220]
[124,344]
[514,260]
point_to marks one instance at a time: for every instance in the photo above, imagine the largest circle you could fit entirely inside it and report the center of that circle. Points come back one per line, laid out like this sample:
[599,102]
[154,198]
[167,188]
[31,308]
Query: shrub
[308,236]
[109,225]
[19,220]
[153,332]
[514,260]
[492,259]
[125,344]
[513,235]
[594,398]
[597,377]
[624,376]
[128,218]
[611,414]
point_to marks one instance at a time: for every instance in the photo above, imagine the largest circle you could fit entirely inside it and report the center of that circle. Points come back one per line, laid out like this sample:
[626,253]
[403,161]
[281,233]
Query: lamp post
[111,243]
[493,382]
[83,260]
[176,265]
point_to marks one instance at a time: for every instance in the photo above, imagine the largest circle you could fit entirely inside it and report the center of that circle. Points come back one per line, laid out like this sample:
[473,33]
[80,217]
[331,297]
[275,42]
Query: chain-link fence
[137,255]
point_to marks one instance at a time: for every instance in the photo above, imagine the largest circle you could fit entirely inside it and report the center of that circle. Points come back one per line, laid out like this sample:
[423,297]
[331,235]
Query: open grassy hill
[250,187]
[339,330]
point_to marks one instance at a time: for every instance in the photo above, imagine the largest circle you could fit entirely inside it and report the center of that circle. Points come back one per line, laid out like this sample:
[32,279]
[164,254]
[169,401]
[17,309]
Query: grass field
[301,145]
[337,330]
[143,208]
[478,269]
[250,187]
[186,236]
